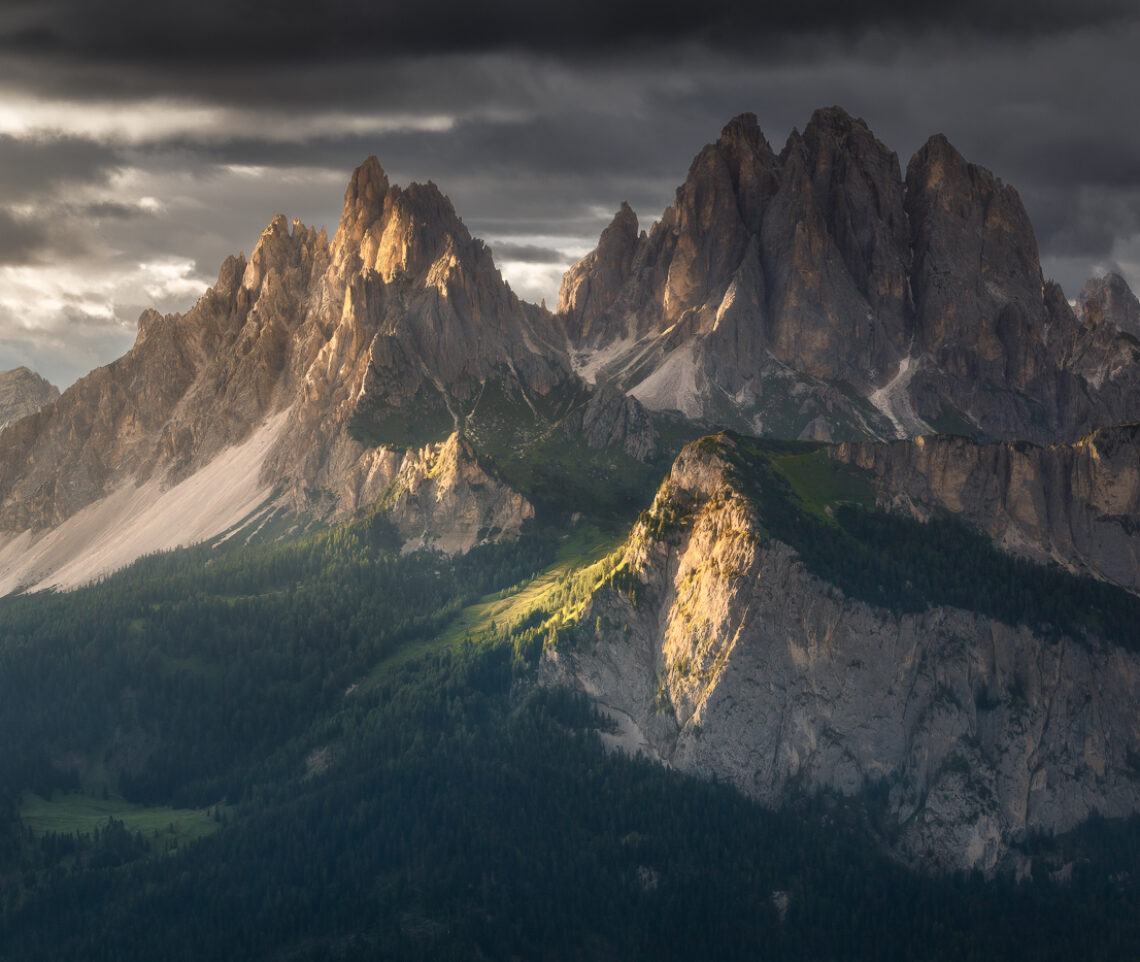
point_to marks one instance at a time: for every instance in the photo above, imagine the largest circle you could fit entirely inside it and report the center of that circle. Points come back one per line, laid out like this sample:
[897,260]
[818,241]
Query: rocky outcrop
[733,661]
[1077,505]
[387,333]
[610,419]
[23,392]
[589,288]
[817,293]
[444,498]
[722,313]
[1109,299]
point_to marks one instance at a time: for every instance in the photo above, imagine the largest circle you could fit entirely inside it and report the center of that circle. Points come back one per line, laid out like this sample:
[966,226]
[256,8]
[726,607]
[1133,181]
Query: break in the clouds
[141,144]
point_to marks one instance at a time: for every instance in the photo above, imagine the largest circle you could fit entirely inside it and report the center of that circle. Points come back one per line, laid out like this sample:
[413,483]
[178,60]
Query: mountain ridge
[732,645]
[815,293]
[307,335]
[857,604]
[889,306]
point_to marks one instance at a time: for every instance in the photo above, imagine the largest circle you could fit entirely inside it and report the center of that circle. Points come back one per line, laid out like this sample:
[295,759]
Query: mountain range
[859,347]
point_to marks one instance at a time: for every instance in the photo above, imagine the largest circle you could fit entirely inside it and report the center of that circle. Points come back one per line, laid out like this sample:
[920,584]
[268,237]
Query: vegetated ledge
[1076,505]
[896,562]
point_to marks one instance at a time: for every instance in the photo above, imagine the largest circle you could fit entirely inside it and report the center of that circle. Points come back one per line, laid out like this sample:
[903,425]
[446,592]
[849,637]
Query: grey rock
[23,392]
[730,660]
[1110,300]
[444,498]
[888,307]
[1077,504]
[610,419]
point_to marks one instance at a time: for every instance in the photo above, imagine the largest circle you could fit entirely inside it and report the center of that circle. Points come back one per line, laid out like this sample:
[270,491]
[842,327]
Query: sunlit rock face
[444,498]
[725,657]
[819,293]
[402,315]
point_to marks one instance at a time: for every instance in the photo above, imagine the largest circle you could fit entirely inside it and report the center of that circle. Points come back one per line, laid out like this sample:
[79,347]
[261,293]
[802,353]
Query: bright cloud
[143,122]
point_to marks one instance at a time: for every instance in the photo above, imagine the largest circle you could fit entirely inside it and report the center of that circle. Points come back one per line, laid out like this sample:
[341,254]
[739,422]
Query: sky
[142,143]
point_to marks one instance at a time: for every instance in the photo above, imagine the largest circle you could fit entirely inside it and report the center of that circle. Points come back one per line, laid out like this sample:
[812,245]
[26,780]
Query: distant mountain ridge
[811,294]
[818,293]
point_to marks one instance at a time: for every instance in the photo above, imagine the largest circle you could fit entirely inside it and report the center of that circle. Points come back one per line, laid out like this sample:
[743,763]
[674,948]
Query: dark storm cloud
[1085,223]
[210,31]
[30,167]
[37,239]
[108,210]
[21,240]
[528,253]
[1105,158]
[577,143]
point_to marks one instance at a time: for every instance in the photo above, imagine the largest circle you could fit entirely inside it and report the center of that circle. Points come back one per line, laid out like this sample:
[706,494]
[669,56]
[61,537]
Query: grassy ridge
[584,546]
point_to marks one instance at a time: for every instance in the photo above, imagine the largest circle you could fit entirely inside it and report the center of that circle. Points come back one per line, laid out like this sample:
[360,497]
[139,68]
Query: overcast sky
[141,143]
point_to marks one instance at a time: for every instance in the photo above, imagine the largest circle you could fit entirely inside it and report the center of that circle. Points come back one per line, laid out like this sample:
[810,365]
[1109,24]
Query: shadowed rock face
[729,659]
[402,305]
[1109,300]
[1073,504]
[23,392]
[589,288]
[881,306]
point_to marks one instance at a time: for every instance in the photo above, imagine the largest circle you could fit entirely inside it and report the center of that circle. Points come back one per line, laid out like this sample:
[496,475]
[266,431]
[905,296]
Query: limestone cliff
[818,293]
[311,353]
[1073,504]
[444,498]
[23,392]
[1109,299]
[732,660]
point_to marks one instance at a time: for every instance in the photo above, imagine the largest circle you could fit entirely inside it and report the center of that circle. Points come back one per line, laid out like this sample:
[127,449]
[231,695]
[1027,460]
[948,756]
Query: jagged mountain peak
[625,220]
[820,294]
[938,168]
[834,118]
[23,392]
[1109,299]
[419,227]
[937,149]
[834,138]
[743,131]
[588,289]
[398,230]
[282,246]
[279,383]
[830,128]
[364,197]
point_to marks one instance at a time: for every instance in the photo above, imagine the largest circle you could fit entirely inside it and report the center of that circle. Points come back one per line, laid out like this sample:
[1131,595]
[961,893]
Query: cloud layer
[138,151]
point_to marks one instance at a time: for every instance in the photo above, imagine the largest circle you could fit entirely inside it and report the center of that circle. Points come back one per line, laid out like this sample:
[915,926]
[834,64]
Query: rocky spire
[589,288]
[1110,299]
[363,205]
[922,296]
[23,392]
